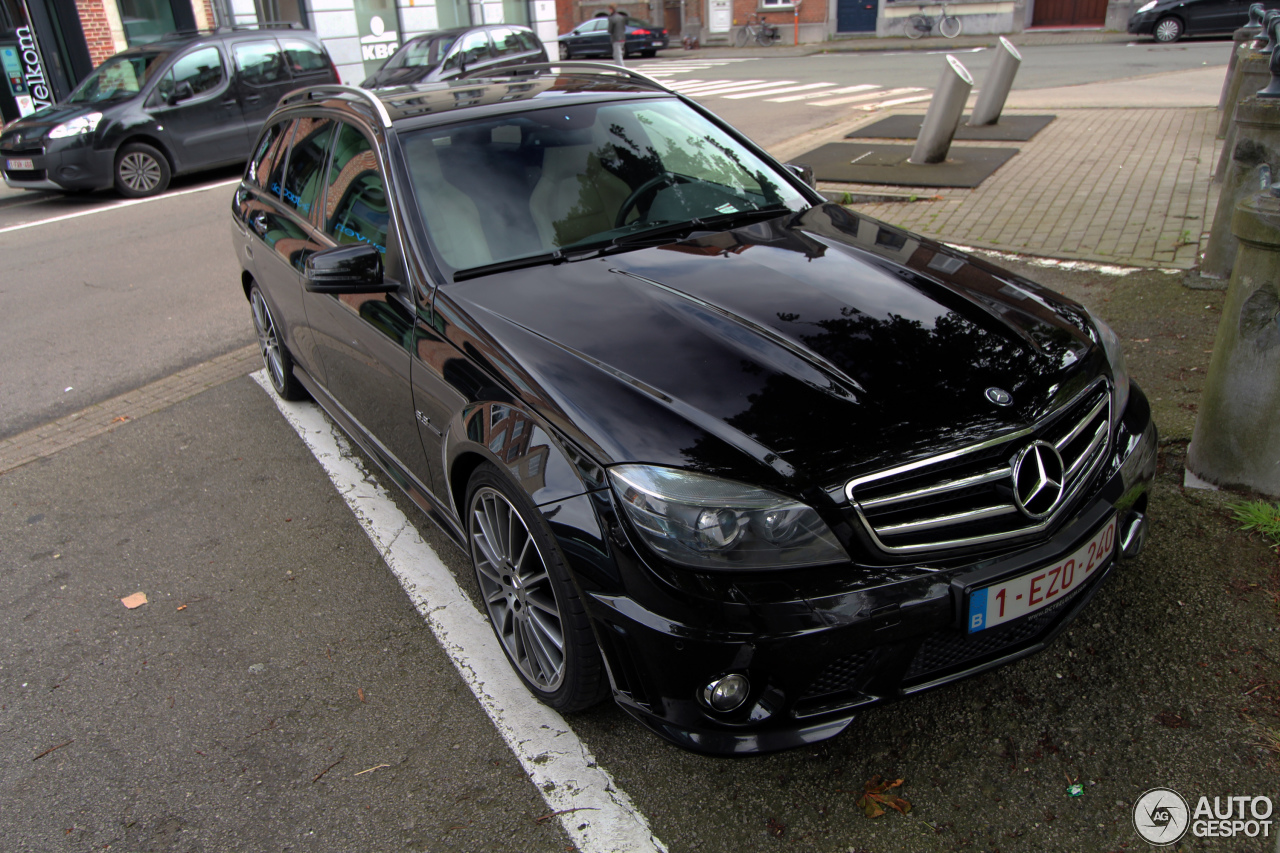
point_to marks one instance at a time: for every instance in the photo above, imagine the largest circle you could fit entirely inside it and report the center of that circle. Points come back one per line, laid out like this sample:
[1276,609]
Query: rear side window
[506,41]
[528,40]
[202,70]
[356,203]
[304,175]
[304,58]
[260,63]
[269,155]
[472,47]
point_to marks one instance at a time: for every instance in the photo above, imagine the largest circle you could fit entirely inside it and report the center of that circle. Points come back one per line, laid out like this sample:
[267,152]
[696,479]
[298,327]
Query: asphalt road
[280,691]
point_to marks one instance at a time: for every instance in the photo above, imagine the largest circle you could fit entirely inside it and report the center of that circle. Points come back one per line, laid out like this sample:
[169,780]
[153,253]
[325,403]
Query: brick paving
[1120,186]
[49,438]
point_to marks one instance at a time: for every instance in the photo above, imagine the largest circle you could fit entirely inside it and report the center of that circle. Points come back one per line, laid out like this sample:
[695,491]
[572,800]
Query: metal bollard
[1248,32]
[943,118]
[995,89]
[1256,142]
[1237,434]
[1233,82]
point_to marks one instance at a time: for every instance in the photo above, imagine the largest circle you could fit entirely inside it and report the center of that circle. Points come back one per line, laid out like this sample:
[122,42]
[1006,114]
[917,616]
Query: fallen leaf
[182,607]
[136,600]
[120,419]
[360,693]
[877,794]
[776,828]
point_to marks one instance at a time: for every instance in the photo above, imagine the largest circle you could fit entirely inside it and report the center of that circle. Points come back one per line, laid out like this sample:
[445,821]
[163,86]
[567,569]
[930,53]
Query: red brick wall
[97,33]
[811,12]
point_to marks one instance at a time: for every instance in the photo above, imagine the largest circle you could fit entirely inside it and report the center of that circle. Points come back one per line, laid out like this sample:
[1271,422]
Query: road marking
[713,86]
[597,815]
[744,86]
[853,99]
[779,91]
[809,95]
[897,102]
[116,206]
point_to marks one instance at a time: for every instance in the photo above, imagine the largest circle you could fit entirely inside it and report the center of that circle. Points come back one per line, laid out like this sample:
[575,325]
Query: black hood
[35,126]
[820,344]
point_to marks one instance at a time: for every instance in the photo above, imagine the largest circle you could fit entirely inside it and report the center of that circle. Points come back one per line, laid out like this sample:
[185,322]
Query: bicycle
[921,24]
[765,34]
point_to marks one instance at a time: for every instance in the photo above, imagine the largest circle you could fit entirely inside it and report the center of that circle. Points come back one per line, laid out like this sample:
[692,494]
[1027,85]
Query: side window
[505,41]
[471,48]
[304,175]
[356,203]
[528,41]
[269,155]
[193,75]
[592,26]
[304,58]
[260,63]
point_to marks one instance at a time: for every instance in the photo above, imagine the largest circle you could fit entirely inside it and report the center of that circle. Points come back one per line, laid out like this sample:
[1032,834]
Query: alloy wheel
[140,172]
[1168,30]
[517,589]
[268,343]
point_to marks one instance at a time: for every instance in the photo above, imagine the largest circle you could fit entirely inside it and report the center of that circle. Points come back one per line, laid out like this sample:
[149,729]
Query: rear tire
[275,356]
[950,26]
[564,52]
[1168,30]
[141,171]
[741,37]
[917,26]
[531,600]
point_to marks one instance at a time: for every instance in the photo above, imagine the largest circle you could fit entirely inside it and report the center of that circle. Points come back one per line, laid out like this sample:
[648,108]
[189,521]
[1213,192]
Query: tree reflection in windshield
[118,77]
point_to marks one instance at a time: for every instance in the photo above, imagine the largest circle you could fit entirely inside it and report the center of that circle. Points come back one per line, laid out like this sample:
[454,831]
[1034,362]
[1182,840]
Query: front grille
[25,175]
[839,676]
[37,151]
[966,498]
[952,647]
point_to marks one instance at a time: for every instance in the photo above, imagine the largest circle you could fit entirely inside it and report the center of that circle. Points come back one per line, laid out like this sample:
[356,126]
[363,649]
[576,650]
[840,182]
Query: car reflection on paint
[742,459]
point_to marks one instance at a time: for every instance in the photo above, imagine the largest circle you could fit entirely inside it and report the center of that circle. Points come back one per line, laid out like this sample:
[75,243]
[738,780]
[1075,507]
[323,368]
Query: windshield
[120,76]
[582,176]
[423,53]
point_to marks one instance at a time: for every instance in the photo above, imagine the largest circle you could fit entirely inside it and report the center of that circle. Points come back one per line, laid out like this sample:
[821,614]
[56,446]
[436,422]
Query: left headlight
[706,522]
[75,127]
[1146,7]
[1110,342]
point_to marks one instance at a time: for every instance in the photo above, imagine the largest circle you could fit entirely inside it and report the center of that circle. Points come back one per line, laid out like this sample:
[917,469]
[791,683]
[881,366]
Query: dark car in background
[591,38]
[443,54]
[744,459]
[1169,20]
[182,103]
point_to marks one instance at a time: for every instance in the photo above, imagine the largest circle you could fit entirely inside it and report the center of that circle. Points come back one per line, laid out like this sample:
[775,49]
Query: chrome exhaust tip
[1134,536]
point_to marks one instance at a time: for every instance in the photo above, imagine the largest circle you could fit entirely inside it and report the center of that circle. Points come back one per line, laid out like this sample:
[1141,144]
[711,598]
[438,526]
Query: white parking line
[597,815]
[116,206]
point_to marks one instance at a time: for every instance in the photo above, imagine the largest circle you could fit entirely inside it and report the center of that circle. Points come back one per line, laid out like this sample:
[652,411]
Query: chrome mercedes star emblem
[1038,476]
[999,396]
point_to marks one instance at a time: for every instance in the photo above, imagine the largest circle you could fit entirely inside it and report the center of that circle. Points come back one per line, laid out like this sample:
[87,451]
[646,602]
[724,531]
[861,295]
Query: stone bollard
[1248,32]
[943,117]
[1253,73]
[1237,434]
[995,89]
[1256,141]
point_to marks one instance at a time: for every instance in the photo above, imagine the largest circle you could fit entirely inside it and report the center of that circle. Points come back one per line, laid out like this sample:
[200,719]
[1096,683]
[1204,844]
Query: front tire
[1168,30]
[529,596]
[141,171]
[950,26]
[564,52]
[740,39]
[275,356]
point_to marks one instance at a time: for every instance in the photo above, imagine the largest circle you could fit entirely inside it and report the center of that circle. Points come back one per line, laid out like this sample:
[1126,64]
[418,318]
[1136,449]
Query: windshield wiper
[559,256]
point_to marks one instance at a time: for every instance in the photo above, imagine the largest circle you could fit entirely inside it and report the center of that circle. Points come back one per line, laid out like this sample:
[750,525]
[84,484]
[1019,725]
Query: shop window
[145,20]
[453,13]
[282,11]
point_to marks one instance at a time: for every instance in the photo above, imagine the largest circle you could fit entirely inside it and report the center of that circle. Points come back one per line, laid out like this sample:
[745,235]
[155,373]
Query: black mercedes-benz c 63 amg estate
[741,458]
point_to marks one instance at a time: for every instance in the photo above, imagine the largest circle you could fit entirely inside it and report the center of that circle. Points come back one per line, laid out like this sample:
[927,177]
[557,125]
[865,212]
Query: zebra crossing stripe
[778,91]
[737,87]
[864,87]
[898,102]
[853,99]
[717,85]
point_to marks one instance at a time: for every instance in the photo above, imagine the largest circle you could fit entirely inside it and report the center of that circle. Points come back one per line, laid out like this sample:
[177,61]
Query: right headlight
[1110,342]
[706,522]
[1146,7]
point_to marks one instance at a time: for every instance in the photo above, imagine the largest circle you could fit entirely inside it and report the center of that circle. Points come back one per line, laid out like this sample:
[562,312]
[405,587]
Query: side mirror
[181,92]
[804,173]
[356,268]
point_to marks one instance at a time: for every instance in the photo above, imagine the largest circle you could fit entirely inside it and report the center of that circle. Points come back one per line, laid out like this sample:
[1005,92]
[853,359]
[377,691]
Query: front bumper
[814,661]
[72,165]
[1142,25]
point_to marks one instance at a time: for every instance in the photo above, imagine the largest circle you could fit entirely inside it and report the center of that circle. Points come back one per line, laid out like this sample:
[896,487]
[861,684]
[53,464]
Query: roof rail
[233,28]
[311,92]
[588,69]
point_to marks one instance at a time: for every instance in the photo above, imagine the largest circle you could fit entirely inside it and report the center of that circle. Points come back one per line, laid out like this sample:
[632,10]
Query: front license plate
[19,165]
[992,605]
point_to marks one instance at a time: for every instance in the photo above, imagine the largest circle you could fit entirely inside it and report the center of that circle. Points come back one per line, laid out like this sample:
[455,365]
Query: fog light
[725,694]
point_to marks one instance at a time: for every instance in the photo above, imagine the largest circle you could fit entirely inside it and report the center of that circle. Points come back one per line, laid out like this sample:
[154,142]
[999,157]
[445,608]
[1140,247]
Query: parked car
[591,38]
[449,53]
[183,103]
[1170,20]
[744,459]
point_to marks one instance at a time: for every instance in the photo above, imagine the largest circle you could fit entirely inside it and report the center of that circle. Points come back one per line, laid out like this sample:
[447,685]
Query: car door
[197,106]
[365,339]
[591,37]
[262,78]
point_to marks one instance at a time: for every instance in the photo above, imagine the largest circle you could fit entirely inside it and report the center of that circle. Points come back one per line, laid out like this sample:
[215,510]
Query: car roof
[182,38]
[424,104]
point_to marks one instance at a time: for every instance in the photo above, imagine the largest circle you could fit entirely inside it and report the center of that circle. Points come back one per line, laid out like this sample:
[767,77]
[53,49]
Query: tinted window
[472,47]
[304,58]
[528,40]
[201,70]
[119,77]
[592,26]
[260,63]
[305,173]
[422,53]
[269,154]
[356,203]
[506,41]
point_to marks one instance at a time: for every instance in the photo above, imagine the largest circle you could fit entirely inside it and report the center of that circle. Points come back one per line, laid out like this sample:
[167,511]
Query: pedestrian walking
[618,33]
